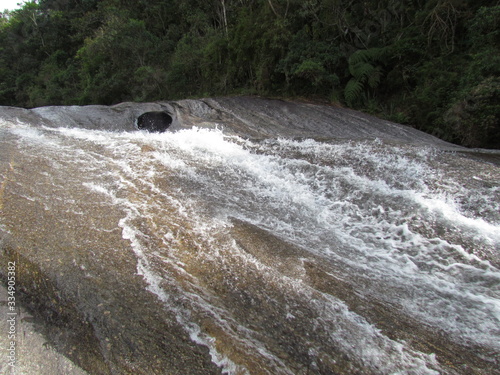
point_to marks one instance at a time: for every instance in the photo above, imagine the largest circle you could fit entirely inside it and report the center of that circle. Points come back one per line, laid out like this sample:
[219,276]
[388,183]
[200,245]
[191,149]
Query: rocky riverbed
[254,236]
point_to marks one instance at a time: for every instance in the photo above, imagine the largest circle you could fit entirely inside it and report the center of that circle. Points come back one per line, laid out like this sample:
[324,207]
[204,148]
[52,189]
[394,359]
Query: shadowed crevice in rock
[157,121]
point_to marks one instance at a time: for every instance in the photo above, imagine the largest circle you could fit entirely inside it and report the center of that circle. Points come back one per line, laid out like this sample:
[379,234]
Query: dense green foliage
[433,64]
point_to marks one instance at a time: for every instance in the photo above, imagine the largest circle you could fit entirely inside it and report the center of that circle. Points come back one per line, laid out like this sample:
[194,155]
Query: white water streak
[371,206]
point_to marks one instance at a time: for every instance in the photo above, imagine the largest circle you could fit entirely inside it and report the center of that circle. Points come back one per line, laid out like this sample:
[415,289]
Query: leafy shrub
[475,120]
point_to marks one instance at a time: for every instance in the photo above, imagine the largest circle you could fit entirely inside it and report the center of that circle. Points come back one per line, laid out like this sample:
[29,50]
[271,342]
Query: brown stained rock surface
[78,275]
[130,258]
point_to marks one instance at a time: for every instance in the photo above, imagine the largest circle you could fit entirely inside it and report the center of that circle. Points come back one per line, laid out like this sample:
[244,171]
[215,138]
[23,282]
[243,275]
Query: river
[254,237]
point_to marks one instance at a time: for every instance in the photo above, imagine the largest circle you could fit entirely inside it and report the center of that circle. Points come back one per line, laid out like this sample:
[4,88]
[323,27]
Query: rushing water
[288,256]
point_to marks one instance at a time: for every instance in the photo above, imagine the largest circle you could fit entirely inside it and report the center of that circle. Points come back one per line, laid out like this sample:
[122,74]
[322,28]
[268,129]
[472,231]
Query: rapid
[254,238]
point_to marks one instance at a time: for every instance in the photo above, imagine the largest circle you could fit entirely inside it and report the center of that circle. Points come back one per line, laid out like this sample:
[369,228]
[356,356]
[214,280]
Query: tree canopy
[432,64]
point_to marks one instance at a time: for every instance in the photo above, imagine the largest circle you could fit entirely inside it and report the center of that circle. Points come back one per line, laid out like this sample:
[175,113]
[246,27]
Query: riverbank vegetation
[432,64]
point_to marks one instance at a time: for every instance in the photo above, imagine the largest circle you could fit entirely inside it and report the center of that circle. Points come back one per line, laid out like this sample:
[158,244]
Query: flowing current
[287,256]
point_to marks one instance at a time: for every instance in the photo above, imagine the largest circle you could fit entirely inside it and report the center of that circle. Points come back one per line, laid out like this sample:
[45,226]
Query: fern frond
[367,55]
[361,71]
[353,90]
[357,57]
[374,77]
[365,68]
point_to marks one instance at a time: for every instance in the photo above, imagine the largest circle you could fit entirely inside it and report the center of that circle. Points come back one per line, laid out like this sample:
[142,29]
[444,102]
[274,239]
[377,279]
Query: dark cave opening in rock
[156,121]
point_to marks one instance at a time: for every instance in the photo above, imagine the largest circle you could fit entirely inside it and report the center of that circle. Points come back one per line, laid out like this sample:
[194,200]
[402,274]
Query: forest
[431,64]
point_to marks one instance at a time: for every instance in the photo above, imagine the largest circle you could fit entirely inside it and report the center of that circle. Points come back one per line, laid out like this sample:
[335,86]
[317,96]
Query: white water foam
[355,203]
[316,204]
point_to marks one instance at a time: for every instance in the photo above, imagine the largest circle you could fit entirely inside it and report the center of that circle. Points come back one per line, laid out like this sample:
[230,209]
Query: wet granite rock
[80,277]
